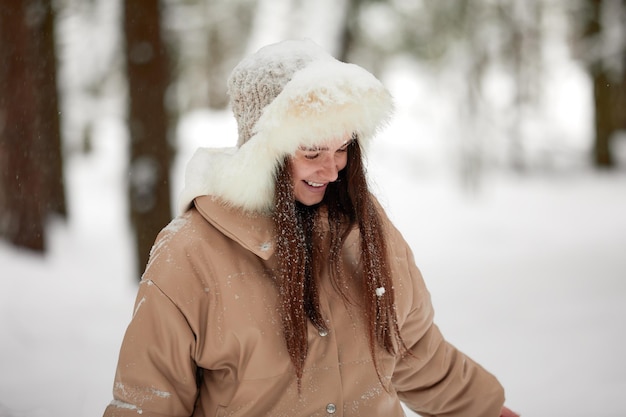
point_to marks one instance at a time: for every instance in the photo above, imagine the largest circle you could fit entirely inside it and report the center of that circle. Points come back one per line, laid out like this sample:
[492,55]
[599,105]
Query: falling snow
[527,276]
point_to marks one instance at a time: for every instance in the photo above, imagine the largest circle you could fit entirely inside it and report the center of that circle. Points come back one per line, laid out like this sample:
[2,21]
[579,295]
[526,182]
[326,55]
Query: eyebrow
[325,148]
[313,149]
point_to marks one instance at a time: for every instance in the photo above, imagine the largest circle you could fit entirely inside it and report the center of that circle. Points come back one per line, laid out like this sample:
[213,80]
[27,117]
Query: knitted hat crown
[258,79]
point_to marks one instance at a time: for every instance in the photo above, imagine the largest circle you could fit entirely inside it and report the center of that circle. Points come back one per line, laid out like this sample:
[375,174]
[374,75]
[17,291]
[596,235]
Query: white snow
[121,404]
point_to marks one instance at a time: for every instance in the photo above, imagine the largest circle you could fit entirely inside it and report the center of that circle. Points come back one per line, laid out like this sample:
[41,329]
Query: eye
[345,147]
[310,153]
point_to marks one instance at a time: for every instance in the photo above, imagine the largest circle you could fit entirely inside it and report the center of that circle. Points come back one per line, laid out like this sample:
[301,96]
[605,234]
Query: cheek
[301,169]
[296,172]
[299,172]
[343,161]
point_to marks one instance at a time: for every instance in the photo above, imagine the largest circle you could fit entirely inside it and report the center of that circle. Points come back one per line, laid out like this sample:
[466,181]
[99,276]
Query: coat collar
[253,231]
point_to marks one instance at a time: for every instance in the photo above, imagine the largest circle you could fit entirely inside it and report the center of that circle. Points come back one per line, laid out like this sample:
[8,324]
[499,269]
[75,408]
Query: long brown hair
[348,204]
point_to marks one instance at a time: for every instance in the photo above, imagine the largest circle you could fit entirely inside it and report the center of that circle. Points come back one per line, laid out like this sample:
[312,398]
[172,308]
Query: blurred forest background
[149,62]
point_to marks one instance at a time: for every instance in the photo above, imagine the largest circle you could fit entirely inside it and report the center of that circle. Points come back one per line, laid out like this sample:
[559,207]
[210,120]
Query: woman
[283,289]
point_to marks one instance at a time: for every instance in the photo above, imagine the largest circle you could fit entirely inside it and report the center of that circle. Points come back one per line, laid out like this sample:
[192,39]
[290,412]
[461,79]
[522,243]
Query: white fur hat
[284,96]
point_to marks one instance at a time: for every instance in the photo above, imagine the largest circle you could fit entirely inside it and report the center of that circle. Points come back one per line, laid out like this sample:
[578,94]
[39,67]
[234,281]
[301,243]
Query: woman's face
[313,168]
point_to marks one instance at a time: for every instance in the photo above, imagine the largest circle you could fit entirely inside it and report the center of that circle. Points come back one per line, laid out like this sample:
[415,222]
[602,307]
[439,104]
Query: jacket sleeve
[436,379]
[156,373]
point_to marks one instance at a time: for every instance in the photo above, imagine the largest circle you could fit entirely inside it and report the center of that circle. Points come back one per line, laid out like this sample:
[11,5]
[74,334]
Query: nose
[329,168]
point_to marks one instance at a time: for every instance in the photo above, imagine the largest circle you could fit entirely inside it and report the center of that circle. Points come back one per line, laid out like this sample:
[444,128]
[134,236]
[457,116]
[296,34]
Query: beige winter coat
[207,305]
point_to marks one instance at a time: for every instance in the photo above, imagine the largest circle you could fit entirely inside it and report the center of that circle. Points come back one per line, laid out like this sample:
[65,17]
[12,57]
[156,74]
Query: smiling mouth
[315,184]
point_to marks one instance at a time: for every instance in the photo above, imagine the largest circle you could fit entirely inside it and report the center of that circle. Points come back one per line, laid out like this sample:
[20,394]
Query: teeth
[314,184]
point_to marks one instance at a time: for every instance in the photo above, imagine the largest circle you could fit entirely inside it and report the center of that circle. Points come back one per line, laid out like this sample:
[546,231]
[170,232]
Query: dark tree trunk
[150,156]
[50,126]
[30,150]
[603,96]
[348,36]
[609,89]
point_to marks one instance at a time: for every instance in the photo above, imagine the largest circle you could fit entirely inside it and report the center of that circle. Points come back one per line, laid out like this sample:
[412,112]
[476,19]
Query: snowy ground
[528,276]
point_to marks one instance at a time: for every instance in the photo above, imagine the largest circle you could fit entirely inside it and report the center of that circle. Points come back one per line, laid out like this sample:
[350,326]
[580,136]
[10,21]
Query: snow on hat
[286,95]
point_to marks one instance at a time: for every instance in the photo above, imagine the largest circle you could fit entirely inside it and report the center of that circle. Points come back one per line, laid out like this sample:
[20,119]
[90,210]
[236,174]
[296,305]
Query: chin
[311,201]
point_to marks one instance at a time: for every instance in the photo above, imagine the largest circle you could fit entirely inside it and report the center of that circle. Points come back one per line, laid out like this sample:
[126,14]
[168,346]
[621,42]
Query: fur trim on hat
[325,100]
